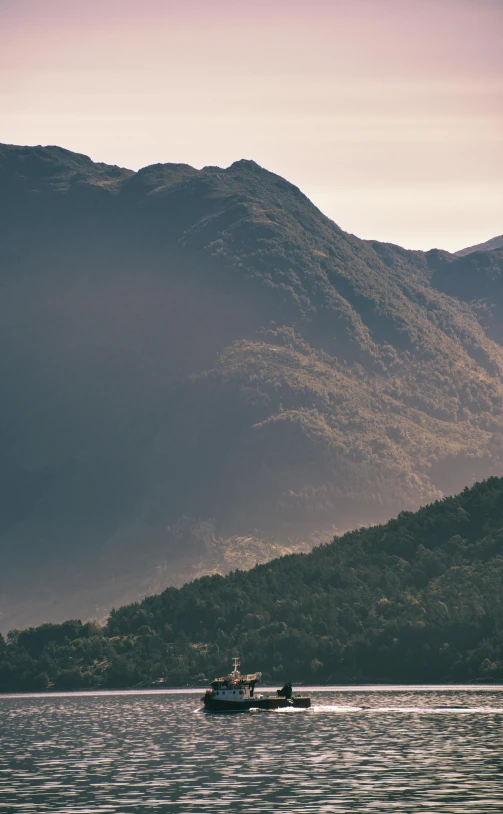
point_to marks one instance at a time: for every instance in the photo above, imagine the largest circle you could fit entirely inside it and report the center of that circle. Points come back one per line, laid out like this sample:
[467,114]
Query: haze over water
[364,749]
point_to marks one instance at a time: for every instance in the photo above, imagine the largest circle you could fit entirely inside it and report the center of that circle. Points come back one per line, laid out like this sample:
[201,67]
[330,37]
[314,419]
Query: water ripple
[358,750]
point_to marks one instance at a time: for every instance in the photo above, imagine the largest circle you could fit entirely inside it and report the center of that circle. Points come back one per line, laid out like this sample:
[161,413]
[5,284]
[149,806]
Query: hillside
[201,371]
[476,279]
[494,243]
[419,599]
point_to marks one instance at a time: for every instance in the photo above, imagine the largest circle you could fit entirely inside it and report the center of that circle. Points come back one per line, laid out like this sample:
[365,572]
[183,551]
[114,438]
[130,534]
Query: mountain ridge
[202,369]
[488,245]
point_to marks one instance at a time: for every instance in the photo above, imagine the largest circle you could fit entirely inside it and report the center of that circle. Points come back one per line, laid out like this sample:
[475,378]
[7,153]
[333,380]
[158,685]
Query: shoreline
[322,688]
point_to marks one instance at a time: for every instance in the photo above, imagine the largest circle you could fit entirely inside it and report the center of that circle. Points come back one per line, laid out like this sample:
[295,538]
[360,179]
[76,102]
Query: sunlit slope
[202,371]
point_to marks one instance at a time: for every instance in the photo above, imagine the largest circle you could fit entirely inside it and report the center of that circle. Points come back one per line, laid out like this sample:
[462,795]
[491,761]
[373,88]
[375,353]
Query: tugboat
[236,693]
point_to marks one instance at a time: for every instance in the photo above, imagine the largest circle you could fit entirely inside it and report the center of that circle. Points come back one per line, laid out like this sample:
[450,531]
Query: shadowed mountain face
[201,371]
[477,279]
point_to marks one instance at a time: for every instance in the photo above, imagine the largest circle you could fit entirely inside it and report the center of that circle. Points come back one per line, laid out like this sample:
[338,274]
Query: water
[365,750]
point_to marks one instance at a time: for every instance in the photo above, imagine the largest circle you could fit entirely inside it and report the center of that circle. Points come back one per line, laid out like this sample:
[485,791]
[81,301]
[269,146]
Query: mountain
[419,599]
[201,371]
[476,279]
[489,245]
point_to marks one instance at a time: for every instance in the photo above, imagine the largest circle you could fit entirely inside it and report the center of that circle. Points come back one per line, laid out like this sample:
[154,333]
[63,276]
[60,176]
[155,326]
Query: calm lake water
[364,749]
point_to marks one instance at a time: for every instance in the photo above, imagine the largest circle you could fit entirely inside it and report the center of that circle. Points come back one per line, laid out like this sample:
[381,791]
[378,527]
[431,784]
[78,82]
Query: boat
[236,693]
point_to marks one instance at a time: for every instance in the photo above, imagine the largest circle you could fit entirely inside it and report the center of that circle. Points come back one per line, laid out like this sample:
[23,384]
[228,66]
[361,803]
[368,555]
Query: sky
[388,114]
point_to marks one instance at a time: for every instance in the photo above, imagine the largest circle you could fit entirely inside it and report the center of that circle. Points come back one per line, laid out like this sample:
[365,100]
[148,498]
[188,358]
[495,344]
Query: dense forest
[419,599]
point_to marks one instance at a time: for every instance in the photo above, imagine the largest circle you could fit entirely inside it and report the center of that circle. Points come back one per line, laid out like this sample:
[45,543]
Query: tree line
[419,599]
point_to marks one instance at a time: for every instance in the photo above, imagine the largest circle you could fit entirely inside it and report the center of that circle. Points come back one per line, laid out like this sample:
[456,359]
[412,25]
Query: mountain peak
[246,164]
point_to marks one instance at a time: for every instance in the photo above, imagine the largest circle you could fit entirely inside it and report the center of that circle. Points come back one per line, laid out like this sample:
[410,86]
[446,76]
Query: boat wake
[341,709]
[409,710]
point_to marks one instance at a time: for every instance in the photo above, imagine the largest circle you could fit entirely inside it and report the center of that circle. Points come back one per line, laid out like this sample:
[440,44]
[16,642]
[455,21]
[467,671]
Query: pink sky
[387,113]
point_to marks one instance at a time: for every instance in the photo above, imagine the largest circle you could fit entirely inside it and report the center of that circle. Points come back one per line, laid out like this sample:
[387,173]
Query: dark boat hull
[217,705]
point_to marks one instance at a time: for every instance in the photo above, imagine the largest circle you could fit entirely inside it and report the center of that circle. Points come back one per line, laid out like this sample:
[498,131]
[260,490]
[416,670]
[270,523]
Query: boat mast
[235,664]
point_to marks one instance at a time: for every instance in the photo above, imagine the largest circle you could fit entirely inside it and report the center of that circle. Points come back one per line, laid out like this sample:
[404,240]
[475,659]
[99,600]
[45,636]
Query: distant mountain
[476,279]
[494,243]
[201,371]
[419,599]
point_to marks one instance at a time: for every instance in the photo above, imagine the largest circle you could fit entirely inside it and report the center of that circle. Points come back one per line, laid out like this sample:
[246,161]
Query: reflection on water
[364,751]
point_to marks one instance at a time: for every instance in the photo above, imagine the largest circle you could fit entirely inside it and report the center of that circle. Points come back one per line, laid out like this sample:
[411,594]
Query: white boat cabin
[235,687]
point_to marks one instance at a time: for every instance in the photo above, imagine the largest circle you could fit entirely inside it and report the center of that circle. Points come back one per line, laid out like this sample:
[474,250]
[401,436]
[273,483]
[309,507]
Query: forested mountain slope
[477,279]
[419,599]
[202,371]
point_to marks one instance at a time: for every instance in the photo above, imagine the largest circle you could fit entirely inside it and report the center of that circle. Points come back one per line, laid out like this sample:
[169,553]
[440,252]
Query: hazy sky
[387,113]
